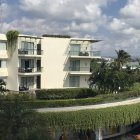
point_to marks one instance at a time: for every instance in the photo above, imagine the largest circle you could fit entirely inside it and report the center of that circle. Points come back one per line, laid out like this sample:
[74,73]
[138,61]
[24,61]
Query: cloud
[80,16]
[83,18]
[5,10]
[131,10]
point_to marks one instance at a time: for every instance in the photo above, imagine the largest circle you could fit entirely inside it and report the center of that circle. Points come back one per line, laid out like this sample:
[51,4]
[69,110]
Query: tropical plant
[122,58]
[110,78]
[12,36]
[16,118]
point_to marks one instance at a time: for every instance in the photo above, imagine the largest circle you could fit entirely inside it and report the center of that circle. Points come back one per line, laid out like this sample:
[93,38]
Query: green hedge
[95,118]
[119,96]
[62,103]
[13,95]
[72,93]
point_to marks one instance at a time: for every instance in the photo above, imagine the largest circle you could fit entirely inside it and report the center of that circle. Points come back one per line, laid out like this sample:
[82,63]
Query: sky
[115,22]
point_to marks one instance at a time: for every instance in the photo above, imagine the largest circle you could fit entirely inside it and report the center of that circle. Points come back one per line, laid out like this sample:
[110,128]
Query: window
[2,64]
[28,46]
[2,45]
[75,65]
[74,49]
[74,81]
[27,82]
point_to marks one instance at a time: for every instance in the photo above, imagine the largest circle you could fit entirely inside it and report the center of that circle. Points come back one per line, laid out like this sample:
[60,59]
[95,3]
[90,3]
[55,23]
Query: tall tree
[122,58]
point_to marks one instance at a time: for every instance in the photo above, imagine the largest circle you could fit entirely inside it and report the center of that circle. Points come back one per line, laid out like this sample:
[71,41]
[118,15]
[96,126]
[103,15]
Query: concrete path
[76,108]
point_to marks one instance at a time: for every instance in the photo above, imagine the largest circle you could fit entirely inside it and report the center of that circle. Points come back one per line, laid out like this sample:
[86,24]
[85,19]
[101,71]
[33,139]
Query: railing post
[98,134]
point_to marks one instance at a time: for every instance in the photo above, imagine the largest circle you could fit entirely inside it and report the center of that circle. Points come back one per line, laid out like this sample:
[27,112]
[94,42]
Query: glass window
[27,82]
[74,81]
[75,65]
[74,49]
[2,45]
[28,46]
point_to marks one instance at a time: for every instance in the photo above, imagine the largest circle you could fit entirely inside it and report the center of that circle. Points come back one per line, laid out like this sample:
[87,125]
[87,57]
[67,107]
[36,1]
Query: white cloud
[82,18]
[132,9]
[5,10]
[117,24]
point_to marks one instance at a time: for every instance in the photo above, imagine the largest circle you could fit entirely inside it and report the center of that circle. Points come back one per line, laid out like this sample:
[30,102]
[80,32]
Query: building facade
[50,61]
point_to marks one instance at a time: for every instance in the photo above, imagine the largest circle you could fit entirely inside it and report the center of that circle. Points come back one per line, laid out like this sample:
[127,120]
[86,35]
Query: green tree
[122,58]
[16,119]
[110,77]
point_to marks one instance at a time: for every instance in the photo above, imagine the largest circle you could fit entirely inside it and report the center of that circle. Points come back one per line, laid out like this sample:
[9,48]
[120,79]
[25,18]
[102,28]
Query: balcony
[30,71]
[30,52]
[79,71]
[85,54]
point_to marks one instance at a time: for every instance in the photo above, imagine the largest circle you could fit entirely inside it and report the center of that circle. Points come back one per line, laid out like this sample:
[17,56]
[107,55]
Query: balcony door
[27,63]
[75,49]
[74,81]
[75,65]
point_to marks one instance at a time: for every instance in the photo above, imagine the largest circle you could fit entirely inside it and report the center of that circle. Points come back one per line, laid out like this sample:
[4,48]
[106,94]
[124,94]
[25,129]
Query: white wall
[12,66]
[54,62]
[84,81]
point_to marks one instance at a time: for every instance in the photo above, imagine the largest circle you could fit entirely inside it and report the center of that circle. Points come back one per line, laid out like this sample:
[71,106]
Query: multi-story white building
[51,61]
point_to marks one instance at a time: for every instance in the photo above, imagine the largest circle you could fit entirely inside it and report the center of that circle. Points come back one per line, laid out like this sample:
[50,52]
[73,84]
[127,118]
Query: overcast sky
[116,22]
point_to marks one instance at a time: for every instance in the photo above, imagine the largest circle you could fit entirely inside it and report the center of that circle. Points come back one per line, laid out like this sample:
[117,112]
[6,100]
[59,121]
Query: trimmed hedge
[70,93]
[62,103]
[119,96]
[94,118]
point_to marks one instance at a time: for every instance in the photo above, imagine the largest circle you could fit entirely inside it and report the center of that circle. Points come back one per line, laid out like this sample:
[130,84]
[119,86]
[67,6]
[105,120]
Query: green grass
[135,87]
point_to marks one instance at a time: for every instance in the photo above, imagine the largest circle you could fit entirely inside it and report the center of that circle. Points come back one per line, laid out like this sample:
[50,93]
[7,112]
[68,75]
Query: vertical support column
[98,134]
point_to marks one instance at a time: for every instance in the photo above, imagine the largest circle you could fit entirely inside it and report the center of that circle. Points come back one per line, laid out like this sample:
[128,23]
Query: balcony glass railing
[30,70]
[30,51]
[85,53]
[79,69]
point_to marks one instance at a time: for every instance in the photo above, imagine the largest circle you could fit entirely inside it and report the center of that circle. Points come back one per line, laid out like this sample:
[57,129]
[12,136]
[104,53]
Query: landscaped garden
[108,83]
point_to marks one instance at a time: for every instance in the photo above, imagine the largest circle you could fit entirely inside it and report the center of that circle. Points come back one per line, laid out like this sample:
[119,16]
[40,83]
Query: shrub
[13,96]
[65,93]
[120,96]
[62,103]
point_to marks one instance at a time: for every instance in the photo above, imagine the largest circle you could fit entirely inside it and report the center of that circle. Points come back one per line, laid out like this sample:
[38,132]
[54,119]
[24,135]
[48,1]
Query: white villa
[50,61]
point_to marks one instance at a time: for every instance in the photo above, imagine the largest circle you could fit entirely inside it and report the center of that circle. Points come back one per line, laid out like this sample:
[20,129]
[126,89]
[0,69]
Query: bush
[120,96]
[62,103]
[73,93]
[13,96]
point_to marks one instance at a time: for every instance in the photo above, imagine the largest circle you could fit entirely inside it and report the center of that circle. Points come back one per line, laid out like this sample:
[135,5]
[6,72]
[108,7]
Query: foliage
[16,96]
[110,77]
[101,98]
[70,93]
[2,85]
[122,58]
[119,97]
[62,103]
[12,36]
[95,118]
[16,118]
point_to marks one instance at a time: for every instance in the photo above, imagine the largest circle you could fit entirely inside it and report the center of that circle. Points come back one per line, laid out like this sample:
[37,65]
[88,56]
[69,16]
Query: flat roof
[29,36]
[56,36]
[85,39]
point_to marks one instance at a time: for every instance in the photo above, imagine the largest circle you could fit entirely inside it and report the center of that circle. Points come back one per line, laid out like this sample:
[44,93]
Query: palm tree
[122,58]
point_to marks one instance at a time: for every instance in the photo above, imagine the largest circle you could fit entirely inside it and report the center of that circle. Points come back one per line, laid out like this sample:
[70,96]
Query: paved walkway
[76,108]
